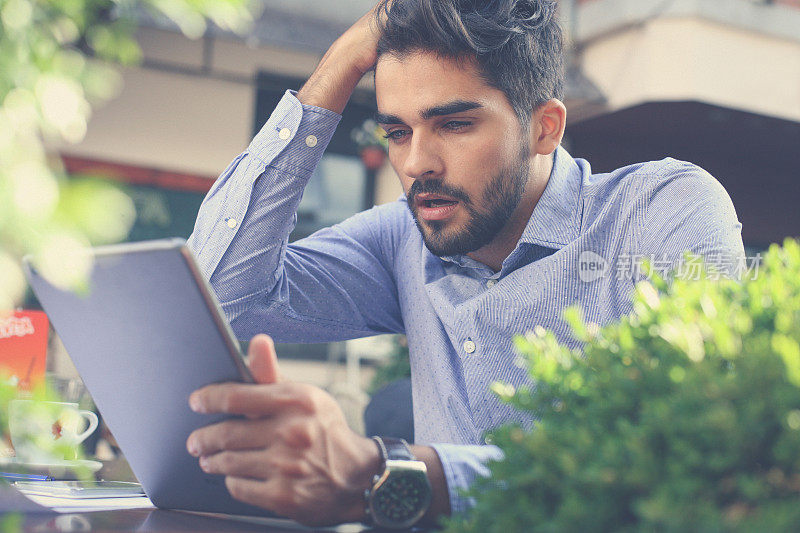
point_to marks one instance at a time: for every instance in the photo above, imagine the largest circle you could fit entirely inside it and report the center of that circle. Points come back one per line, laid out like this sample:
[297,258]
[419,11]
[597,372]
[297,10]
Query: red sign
[23,347]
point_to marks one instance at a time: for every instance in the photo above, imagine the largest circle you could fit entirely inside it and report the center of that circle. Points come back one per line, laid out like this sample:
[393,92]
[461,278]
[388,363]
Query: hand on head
[351,56]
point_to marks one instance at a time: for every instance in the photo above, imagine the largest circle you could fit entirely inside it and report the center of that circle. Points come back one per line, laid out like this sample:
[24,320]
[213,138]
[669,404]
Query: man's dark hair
[517,43]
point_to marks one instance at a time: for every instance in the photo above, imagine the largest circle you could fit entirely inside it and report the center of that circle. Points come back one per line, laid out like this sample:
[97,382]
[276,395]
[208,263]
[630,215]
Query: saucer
[56,469]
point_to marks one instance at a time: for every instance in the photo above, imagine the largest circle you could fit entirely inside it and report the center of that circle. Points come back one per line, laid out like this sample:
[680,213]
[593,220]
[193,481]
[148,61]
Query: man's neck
[494,253]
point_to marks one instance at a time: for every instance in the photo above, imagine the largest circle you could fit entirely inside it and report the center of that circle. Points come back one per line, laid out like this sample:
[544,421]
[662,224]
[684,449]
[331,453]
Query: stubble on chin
[434,235]
[499,200]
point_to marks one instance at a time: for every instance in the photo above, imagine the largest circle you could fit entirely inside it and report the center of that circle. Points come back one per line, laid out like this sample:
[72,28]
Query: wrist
[366,466]
[440,496]
[333,82]
[401,495]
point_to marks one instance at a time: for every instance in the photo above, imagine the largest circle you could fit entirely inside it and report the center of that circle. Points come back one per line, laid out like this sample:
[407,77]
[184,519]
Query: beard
[500,198]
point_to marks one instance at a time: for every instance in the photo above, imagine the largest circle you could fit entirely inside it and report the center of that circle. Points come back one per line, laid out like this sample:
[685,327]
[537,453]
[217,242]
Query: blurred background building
[715,82]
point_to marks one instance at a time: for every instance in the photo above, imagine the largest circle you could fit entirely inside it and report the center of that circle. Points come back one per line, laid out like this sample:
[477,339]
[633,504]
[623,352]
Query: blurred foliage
[370,134]
[58,58]
[684,416]
[11,523]
[397,366]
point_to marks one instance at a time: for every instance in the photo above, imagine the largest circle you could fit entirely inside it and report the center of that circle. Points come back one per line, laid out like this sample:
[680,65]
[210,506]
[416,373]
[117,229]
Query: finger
[273,494]
[232,435]
[381,10]
[261,464]
[249,464]
[246,399]
[263,360]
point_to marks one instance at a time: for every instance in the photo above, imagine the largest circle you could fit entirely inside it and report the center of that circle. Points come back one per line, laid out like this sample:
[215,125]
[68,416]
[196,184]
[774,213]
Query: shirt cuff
[295,135]
[462,464]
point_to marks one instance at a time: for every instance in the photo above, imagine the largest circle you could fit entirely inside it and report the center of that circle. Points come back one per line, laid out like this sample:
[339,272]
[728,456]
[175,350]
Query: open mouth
[438,202]
[435,206]
[426,199]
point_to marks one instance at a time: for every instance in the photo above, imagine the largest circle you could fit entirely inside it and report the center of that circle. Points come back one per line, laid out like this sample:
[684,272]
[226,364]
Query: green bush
[683,416]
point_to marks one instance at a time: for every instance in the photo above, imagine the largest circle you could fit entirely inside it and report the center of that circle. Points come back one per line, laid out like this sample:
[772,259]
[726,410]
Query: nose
[423,158]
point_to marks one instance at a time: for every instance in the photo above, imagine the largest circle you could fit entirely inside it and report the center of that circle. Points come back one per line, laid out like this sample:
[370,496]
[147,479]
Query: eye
[456,125]
[395,135]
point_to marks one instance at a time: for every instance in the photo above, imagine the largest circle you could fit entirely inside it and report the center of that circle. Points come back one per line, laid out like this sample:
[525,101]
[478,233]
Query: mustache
[435,187]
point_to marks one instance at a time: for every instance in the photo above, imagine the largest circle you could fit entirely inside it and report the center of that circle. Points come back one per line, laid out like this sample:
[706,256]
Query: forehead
[409,84]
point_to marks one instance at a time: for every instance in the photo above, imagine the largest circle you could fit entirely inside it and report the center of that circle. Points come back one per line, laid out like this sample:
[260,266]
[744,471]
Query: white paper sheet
[12,500]
[75,505]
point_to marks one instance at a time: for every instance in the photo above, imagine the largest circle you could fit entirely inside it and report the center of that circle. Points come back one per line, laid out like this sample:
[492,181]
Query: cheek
[396,162]
[494,152]
[474,163]
[406,183]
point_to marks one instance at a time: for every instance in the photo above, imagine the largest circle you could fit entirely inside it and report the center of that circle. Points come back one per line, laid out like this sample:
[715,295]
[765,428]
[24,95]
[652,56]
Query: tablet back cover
[143,338]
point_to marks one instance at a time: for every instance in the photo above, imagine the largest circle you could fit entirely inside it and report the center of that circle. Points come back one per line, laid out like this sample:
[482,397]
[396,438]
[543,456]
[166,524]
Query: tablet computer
[148,332]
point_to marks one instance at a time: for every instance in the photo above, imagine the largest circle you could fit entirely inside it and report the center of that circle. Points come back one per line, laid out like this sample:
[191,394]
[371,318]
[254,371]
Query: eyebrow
[456,106]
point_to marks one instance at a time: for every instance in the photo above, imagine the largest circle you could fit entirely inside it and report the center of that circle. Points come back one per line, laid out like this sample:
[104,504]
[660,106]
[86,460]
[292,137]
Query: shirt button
[311,141]
[285,133]
[490,283]
[469,346]
[231,222]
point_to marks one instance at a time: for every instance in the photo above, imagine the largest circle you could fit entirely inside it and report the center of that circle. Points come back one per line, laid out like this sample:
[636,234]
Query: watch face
[401,499]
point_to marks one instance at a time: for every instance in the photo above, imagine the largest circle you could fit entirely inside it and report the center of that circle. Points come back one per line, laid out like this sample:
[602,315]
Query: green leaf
[683,416]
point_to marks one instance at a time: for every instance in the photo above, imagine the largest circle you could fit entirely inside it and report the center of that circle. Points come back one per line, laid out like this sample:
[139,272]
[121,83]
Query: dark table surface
[162,520]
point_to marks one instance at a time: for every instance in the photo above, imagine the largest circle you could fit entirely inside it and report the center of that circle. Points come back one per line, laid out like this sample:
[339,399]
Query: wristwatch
[401,494]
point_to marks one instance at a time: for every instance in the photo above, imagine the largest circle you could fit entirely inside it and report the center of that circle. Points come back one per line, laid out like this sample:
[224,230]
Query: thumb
[262,360]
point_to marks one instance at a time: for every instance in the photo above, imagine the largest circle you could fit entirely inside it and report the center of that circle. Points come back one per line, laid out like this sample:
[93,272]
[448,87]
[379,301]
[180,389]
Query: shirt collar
[555,221]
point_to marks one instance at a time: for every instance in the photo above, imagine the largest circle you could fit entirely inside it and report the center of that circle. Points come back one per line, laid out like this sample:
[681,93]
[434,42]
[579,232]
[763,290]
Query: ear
[547,126]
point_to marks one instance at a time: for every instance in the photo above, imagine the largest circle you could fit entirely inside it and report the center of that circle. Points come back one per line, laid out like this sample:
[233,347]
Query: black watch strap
[394,449]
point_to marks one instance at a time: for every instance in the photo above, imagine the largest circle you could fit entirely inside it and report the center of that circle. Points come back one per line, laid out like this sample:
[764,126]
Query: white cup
[43,432]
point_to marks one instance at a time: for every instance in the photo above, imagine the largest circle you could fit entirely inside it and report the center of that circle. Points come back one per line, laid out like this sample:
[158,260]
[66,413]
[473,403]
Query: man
[490,241]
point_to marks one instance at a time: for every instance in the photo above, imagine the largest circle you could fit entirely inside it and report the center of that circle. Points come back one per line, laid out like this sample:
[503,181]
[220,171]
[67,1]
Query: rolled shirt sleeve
[462,465]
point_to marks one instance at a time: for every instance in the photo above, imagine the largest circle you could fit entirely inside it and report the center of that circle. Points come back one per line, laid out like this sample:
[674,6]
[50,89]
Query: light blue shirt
[372,273]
